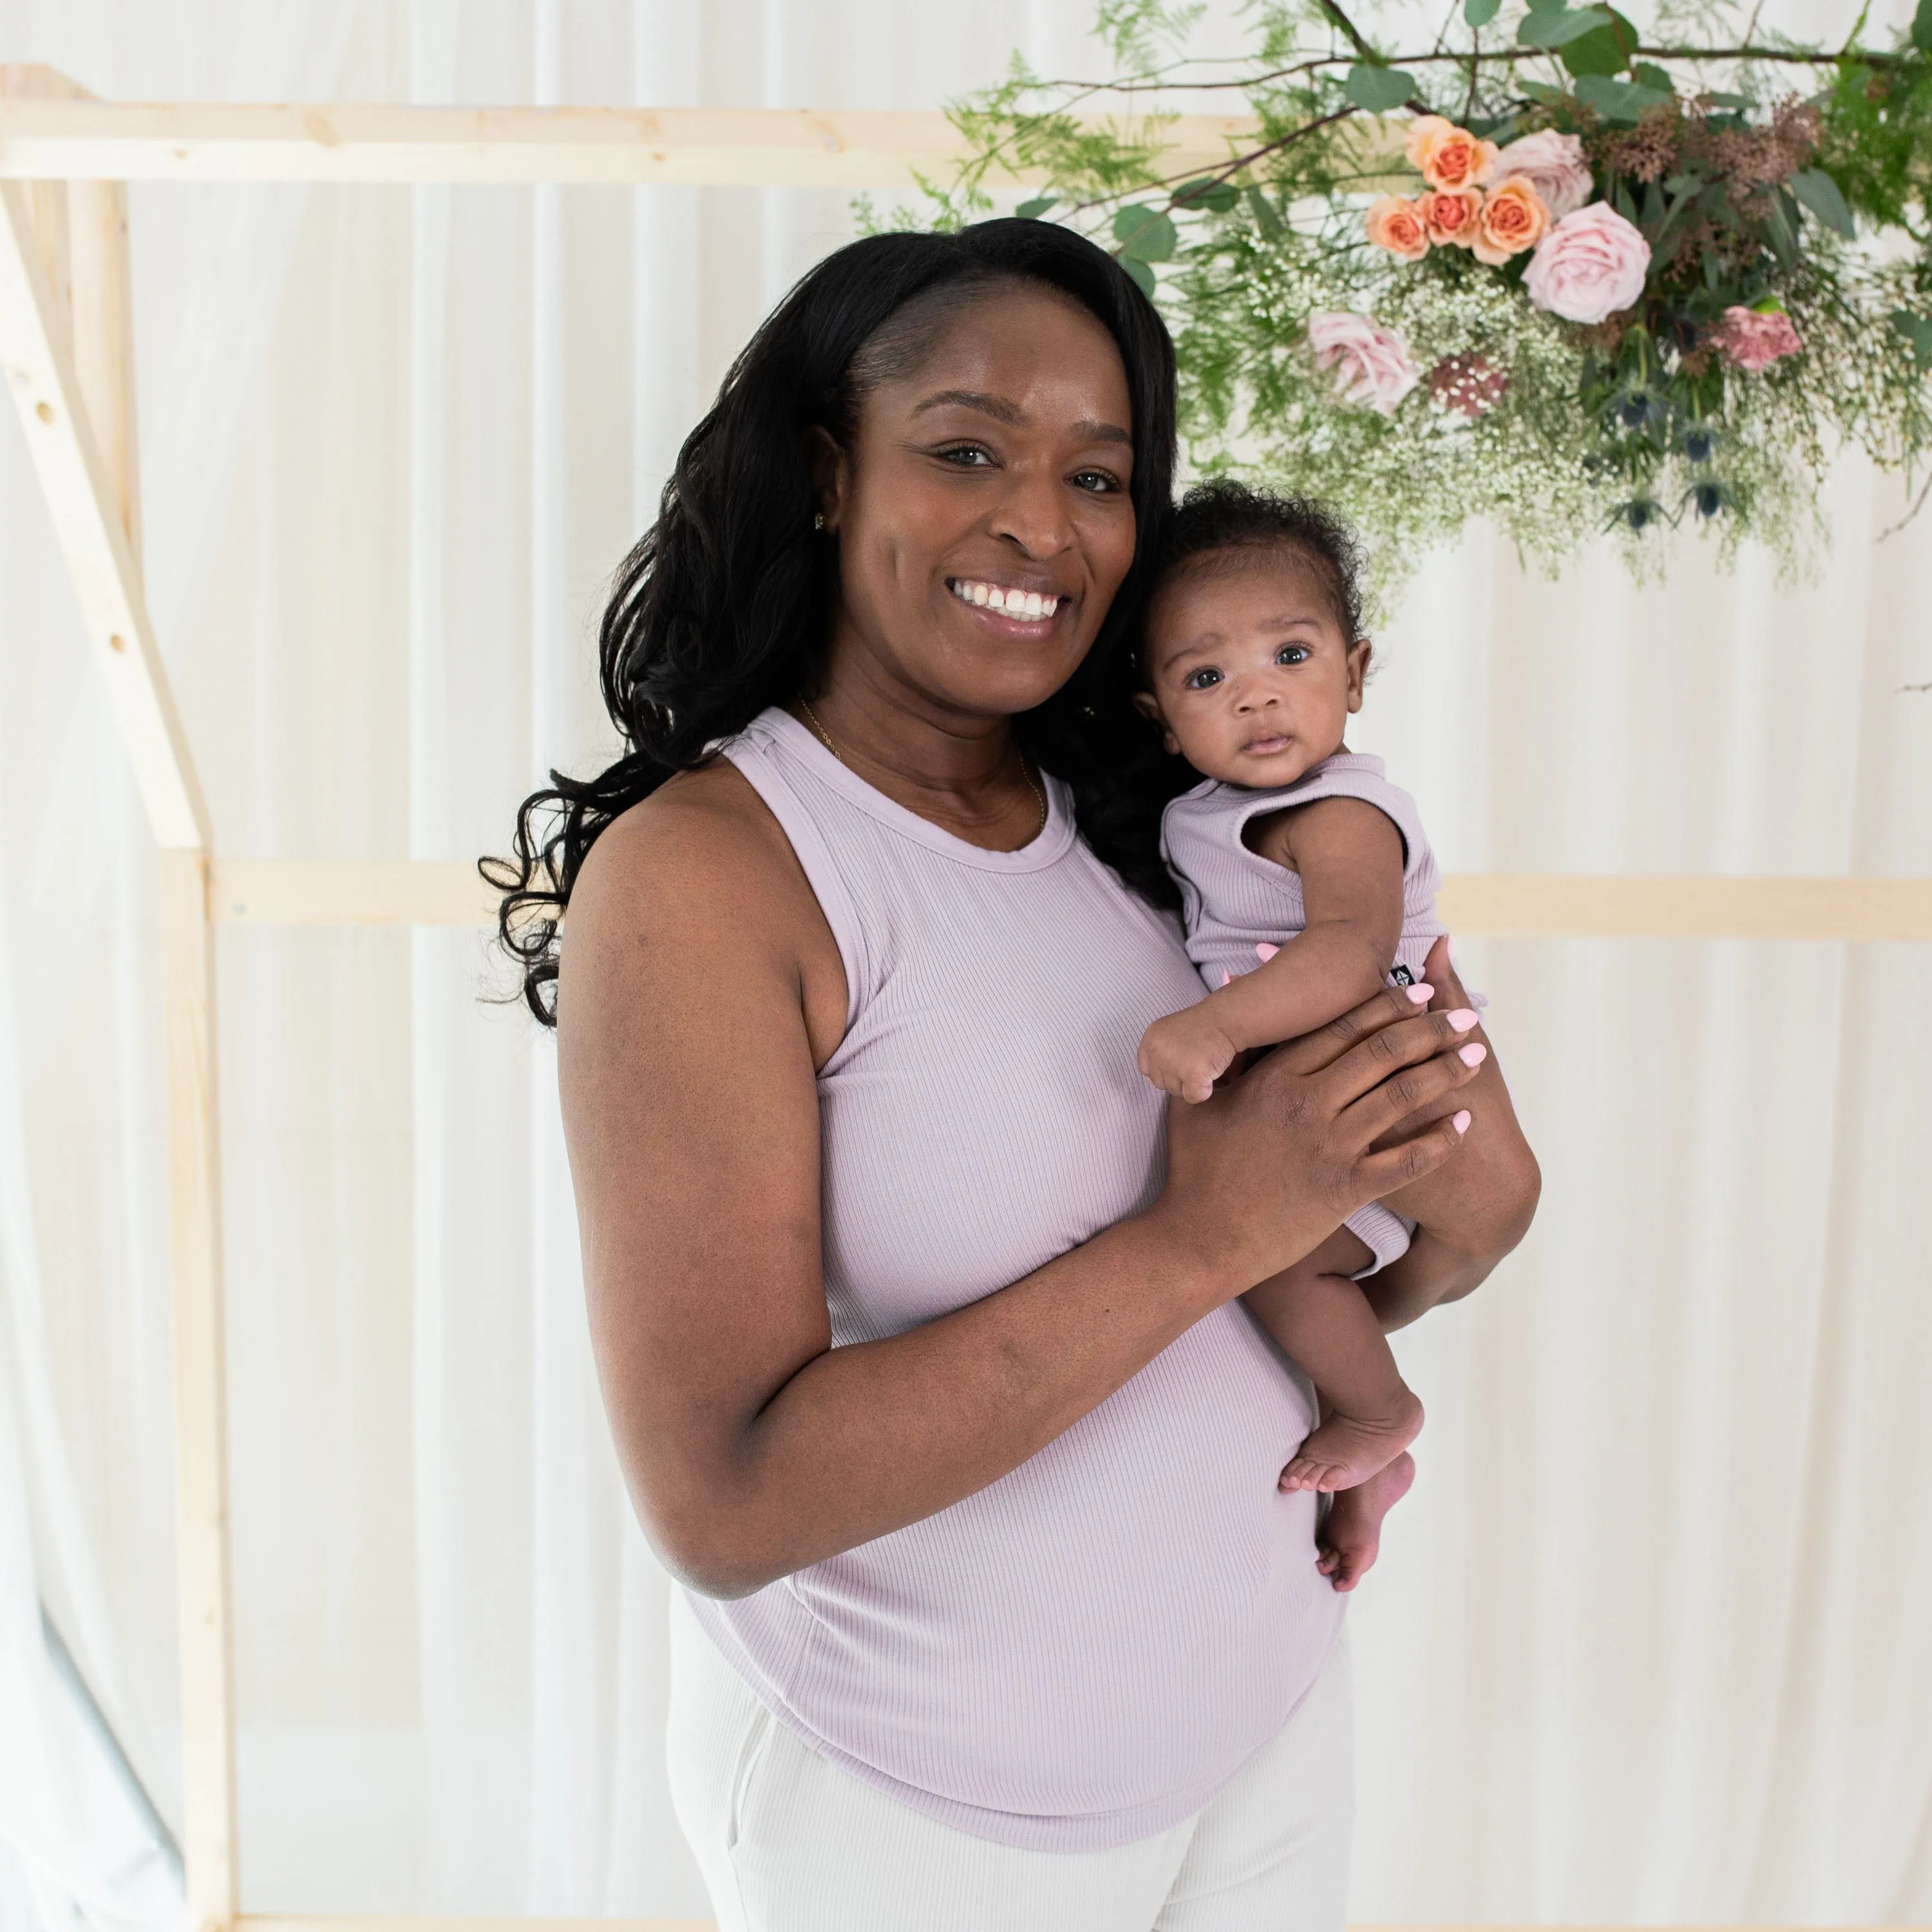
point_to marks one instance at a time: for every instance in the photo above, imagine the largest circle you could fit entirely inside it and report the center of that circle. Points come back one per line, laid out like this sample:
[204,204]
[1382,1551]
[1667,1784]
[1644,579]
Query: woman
[914,1328]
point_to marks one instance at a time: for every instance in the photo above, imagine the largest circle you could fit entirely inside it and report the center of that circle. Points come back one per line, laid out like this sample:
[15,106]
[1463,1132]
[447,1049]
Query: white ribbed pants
[790,1843]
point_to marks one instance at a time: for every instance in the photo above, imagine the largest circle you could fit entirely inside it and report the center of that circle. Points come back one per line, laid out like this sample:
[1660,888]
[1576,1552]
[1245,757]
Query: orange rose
[1450,214]
[1423,131]
[1397,226]
[1514,217]
[1449,156]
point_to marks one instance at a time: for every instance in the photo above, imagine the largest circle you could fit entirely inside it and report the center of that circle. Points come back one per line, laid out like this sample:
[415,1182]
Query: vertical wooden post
[203,1586]
[66,341]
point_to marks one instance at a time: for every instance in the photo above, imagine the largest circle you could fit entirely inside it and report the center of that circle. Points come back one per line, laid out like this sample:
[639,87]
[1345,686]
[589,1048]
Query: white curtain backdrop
[1649,1641]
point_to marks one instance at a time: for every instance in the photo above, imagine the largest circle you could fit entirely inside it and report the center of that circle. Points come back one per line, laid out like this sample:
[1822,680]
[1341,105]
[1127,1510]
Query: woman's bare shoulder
[701,835]
[692,881]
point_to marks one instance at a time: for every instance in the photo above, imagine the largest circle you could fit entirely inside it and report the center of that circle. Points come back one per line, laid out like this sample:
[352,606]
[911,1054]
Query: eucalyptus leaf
[1218,197]
[1619,101]
[1607,50]
[1647,73]
[1917,330]
[1547,6]
[1820,194]
[1921,27]
[1480,13]
[1542,93]
[1031,211]
[1139,273]
[1379,89]
[1266,219]
[1144,233]
[1558,29]
[1781,228]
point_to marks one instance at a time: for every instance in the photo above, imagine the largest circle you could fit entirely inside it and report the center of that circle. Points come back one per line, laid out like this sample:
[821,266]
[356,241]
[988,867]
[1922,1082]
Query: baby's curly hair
[1222,515]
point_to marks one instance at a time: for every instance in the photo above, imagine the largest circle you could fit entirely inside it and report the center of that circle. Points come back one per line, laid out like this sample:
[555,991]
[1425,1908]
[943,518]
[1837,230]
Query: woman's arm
[700,990]
[1472,1217]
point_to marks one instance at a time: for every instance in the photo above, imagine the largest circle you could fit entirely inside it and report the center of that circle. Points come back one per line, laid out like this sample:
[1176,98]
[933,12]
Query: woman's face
[982,512]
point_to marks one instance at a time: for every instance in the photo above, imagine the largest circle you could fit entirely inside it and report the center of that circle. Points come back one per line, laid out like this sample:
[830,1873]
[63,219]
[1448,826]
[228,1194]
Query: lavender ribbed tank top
[1080,1654]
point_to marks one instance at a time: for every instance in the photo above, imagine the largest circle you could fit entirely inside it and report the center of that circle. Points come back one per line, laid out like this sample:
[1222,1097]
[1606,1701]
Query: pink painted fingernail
[1460,1122]
[1227,978]
[1473,1054]
[1463,1019]
[1421,993]
[1267,952]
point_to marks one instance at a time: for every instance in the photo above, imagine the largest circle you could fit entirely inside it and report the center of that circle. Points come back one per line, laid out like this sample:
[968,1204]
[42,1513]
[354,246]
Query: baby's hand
[1186,1053]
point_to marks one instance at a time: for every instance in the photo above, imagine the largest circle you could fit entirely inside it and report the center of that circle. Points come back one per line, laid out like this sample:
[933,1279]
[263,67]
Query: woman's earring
[818,519]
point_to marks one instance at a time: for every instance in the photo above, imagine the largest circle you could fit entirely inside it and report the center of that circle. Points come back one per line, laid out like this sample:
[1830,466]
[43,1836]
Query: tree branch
[1508,55]
[1348,27]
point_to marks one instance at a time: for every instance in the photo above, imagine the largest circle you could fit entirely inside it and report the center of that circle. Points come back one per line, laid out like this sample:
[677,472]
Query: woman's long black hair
[720,610]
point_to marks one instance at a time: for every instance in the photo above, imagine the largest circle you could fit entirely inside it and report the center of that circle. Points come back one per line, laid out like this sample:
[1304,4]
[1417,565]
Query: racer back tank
[1082,1653]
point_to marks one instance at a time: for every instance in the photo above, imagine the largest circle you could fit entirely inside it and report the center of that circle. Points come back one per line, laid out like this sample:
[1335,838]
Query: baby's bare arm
[1349,856]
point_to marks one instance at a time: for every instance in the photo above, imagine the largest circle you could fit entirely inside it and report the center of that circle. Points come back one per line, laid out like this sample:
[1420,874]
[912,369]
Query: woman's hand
[1263,1172]
[1473,1214]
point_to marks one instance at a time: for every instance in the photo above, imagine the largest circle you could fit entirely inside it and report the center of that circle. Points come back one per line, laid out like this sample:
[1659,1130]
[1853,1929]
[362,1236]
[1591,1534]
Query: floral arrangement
[1548,270]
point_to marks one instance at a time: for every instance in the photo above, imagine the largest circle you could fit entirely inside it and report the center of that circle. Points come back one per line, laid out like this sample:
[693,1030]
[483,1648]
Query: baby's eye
[966,455]
[1291,654]
[1205,679]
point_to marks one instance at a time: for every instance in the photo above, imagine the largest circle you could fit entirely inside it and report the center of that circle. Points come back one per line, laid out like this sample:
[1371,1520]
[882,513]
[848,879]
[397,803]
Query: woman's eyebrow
[1001,410]
[995,406]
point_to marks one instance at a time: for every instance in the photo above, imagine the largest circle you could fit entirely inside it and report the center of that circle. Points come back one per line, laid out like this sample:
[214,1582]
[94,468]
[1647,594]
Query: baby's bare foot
[1347,1450]
[1351,1536]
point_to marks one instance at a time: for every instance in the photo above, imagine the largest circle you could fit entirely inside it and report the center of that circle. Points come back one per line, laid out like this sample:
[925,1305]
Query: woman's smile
[1010,609]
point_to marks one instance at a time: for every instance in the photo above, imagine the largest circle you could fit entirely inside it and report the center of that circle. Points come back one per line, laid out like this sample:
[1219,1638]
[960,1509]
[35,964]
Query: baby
[1307,883]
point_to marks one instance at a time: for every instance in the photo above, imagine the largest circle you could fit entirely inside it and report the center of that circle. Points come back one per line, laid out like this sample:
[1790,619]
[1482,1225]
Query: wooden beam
[1558,905]
[253,1922]
[1545,905]
[203,1593]
[744,147]
[82,228]
[91,505]
[336,892]
[66,346]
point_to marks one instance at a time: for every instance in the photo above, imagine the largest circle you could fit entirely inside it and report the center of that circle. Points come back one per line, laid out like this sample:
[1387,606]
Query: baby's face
[1248,670]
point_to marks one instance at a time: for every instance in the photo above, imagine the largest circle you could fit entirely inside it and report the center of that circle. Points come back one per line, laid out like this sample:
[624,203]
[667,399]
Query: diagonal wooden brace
[66,351]
[90,506]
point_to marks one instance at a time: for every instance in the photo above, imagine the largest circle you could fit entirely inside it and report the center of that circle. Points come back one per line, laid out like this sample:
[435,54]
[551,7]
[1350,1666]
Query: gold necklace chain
[825,739]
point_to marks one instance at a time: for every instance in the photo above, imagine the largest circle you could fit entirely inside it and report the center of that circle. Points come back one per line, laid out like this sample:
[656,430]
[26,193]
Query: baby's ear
[1148,706]
[1360,652]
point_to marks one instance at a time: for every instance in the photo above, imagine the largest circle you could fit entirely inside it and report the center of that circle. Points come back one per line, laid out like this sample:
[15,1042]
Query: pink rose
[1553,164]
[1589,265]
[1371,364]
[1755,338]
